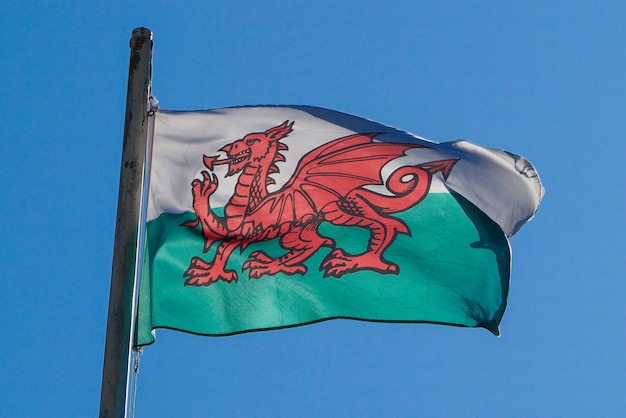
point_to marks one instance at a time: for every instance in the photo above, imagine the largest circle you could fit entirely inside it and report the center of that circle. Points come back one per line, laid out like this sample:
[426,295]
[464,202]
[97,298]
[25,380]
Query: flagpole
[118,344]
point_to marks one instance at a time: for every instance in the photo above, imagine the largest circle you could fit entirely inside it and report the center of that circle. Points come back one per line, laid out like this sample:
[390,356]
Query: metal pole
[119,331]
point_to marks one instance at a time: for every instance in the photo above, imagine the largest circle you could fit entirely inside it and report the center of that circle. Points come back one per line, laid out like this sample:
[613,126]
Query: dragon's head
[253,149]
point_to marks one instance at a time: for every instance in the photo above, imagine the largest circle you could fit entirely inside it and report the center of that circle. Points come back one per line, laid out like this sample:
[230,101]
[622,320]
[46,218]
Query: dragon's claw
[261,256]
[334,272]
[338,263]
[201,273]
[202,189]
[260,264]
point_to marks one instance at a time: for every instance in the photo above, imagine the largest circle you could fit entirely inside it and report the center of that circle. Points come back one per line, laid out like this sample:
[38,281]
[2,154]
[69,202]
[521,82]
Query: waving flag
[276,216]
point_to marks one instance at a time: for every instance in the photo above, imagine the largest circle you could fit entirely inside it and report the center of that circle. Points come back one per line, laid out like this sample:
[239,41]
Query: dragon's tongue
[212,161]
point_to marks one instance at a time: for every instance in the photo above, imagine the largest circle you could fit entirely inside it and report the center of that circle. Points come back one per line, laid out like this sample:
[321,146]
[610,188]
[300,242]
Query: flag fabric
[267,217]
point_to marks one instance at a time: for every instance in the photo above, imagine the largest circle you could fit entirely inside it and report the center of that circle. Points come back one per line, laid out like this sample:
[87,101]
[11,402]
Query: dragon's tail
[409,186]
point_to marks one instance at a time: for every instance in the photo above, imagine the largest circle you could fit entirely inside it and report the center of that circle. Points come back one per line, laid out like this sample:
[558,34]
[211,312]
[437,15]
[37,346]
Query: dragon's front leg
[212,226]
[200,272]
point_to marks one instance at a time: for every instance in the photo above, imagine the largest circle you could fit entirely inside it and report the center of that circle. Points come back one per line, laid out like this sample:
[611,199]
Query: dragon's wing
[330,172]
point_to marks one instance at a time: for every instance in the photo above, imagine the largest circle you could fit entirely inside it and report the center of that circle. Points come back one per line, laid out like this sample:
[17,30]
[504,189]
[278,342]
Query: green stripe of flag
[454,270]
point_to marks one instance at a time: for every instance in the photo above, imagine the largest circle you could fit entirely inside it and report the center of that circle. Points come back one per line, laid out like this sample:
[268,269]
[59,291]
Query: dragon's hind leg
[301,241]
[356,211]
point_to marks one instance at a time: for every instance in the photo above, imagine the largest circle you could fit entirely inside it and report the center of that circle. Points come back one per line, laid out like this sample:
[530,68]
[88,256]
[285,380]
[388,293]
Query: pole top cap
[142,33]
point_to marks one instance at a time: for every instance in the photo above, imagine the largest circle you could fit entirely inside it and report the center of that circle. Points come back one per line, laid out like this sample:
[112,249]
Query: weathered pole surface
[118,344]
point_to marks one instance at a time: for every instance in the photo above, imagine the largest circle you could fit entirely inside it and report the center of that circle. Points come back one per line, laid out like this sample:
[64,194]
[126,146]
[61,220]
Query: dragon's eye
[251,141]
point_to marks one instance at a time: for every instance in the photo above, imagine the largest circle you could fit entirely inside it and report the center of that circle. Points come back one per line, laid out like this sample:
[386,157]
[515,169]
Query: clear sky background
[546,80]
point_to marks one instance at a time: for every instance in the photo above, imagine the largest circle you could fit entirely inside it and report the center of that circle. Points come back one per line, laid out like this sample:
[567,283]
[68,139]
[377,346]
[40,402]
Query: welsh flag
[268,217]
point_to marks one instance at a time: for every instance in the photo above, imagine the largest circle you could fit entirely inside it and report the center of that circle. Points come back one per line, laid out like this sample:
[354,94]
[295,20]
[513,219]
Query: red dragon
[327,186]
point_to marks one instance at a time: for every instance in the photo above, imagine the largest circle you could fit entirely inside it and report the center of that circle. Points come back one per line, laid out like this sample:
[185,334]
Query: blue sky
[542,79]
